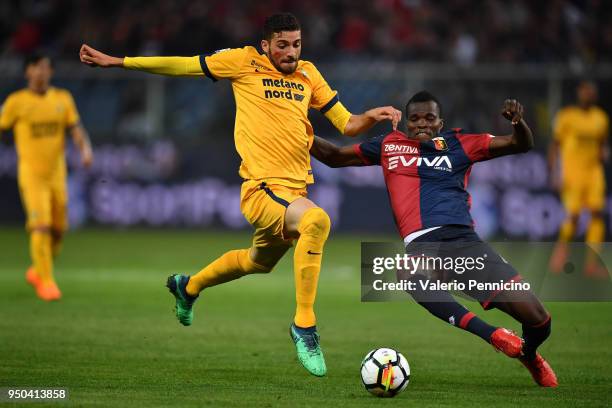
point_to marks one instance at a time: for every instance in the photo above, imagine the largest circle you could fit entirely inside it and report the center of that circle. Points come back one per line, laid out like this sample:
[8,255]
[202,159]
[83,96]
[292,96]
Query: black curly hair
[279,22]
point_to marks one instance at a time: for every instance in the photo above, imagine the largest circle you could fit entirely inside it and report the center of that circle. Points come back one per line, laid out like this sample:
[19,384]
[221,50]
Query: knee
[256,267]
[538,315]
[251,263]
[43,229]
[541,314]
[316,222]
[573,218]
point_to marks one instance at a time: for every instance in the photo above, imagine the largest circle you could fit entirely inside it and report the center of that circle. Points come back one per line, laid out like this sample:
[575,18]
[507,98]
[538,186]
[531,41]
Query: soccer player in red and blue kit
[426,172]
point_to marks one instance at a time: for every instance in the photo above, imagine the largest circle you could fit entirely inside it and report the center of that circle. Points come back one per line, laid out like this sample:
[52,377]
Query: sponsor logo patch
[393,148]
[437,163]
[440,143]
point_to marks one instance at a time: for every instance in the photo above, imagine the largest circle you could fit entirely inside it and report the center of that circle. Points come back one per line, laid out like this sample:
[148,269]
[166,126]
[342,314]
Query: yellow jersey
[272,132]
[39,124]
[580,133]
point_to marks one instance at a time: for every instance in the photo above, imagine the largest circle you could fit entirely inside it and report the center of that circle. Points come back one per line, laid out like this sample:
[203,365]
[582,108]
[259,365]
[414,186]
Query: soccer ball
[385,372]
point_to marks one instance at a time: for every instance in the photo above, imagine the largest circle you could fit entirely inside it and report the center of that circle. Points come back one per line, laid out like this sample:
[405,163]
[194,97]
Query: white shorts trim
[414,235]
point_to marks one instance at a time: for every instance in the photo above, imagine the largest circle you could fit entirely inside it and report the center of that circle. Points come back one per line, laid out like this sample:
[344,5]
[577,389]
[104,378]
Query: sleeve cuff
[127,62]
[359,153]
[339,116]
[205,68]
[329,104]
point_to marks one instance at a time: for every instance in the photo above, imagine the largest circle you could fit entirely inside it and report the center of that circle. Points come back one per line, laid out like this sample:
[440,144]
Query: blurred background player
[39,116]
[431,205]
[576,159]
[273,93]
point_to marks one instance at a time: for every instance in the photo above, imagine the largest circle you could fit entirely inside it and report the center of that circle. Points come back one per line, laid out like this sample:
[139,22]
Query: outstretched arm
[173,66]
[94,58]
[521,139]
[334,156]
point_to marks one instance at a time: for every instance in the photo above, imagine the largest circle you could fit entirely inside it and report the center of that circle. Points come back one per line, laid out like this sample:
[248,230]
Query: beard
[284,70]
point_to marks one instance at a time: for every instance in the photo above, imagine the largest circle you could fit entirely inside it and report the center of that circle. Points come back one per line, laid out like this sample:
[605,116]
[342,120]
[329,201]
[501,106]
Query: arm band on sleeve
[339,116]
[174,66]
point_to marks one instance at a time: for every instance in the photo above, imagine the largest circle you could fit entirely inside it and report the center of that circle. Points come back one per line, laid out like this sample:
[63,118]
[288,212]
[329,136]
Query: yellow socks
[56,242]
[596,231]
[42,259]
[595,235]
[229,266]
[566,233]
[314,229]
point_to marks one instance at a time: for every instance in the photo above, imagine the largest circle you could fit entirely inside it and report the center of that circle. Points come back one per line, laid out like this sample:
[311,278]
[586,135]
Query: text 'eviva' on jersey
[437,163]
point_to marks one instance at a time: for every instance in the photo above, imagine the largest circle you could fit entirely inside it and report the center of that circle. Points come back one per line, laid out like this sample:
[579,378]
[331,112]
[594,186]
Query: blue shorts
[460,243]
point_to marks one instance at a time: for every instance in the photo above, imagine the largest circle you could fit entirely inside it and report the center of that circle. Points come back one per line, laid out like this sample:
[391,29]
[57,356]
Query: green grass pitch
[114,341]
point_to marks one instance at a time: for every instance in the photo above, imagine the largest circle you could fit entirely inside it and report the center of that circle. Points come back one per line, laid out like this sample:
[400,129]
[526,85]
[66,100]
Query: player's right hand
[512,110]
[95,58]
[386,113]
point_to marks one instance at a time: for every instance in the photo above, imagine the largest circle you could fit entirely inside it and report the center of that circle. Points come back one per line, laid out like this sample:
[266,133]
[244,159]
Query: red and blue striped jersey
[427,181]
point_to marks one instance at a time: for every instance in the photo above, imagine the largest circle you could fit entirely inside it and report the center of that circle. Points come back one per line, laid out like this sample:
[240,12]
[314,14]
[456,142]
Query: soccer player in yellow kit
[581,143]
[273,92]
[39,116]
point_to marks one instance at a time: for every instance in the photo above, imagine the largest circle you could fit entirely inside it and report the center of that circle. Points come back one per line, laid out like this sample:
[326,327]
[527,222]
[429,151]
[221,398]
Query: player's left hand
[512,110]
[386,113]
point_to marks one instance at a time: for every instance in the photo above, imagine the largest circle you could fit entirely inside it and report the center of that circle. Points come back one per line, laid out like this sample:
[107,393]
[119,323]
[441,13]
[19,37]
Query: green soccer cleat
[177,284]
[308,349]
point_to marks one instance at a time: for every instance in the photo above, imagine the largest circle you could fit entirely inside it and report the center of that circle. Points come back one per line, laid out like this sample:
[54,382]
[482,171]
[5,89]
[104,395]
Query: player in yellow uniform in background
[273,92]
[576,159]
[39,116]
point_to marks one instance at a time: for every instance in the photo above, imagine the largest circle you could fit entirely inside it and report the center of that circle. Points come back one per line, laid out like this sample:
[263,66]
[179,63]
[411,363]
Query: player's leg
[59,216]
[525,307]
[571,196]
[234,265]
[536,323]
[445,307]
[454,241]
[268,247]
[311,225]
[57,241]
[28,199]
[596,230]
[230,266]
[281,214]
[36,199]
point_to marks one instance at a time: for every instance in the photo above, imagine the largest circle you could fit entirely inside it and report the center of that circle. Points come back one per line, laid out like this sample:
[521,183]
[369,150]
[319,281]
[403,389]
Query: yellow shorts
[264,206]
[45,204]
[584,191]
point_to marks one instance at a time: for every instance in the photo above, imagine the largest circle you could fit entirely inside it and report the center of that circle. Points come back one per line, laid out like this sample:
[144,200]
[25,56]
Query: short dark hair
[35,58]
[279,22]
[424,96]
[586,82]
